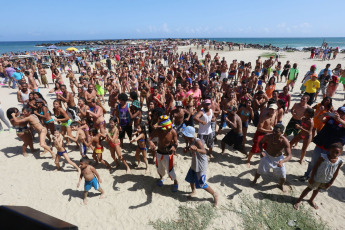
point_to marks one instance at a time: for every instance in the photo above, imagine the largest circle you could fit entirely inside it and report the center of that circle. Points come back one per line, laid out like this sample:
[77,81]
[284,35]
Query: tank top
[205,129]
[25,96]
[326,169]
[124,115]
[199,161]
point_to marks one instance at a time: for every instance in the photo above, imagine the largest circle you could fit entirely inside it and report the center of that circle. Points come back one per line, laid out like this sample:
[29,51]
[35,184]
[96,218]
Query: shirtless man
[297,112]
[112,102]
[268,65]
[273,156]
[90,93]
[178,117]
[259,103]
[265,126]
[224,106]
[167,145]
[233,70]
[223,69]
[30,75]
[235,136]
[68,98]
[258,66]
[72,81]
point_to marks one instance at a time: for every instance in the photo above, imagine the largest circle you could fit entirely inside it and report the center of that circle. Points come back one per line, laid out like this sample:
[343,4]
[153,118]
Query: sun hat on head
[313,66]
[136,104]
[189,131]
[164,122]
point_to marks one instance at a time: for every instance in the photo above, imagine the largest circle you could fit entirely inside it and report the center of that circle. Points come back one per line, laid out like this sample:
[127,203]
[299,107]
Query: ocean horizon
[298,43]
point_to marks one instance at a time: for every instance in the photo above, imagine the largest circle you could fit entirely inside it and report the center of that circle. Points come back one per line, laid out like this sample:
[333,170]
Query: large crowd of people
[159,97]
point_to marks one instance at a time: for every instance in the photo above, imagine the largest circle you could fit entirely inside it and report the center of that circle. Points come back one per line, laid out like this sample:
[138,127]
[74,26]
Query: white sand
[134,199]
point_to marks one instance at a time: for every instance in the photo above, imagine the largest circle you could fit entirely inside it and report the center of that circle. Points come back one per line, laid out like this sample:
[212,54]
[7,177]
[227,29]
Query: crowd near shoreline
[148,104]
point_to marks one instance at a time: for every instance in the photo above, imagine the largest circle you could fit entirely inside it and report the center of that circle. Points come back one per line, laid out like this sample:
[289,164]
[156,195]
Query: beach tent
[72,49]
[52,47]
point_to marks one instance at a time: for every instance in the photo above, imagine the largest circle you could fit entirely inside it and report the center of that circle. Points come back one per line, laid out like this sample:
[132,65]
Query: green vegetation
[275,212]
[196,218]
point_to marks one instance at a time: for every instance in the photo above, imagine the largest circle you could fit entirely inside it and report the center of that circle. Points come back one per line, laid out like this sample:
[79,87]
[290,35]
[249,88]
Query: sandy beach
[133,200]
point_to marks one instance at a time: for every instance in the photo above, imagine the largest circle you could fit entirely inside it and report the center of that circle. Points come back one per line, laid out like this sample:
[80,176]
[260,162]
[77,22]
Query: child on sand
[305,134]
[196,175]
[91,178]
[141,140]
[61,151]
[96,140]
[79,138]
[114,143]
[324,173]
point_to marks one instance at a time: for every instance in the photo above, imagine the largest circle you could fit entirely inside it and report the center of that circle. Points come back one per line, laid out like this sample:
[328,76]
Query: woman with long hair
[22,130]
[36,125]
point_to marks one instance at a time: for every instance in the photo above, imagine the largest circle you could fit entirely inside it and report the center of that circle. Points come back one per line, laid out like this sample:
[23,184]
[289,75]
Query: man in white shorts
[273,156]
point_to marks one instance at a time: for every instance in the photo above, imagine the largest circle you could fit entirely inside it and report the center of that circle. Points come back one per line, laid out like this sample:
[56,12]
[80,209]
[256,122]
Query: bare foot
[128,170]
[102,196]
[253,182]
[215,197]
[44,152]
[25,154]
[192,194]
[296,206]
[147,170]
[301,162]
[248,165]
[313,204]
[211,156]
[85,201]
[282,187]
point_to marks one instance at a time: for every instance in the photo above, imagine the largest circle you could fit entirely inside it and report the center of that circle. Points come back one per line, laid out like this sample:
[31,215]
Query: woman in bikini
[36,125]
[141,141]
[114,143]
[246,113]
[96,114]
[63,119]
[22,130]
[45,115]
[305,134]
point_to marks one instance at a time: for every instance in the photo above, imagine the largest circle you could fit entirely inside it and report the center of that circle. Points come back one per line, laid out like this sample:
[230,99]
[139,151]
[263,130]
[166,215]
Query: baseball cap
[207,101]
[313,75]
[189,131]
[273,106]
[341,109]
[178,104]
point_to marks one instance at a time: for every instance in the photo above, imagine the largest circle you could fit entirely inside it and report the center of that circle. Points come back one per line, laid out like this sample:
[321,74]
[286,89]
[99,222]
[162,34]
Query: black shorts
[284,73]
[125,129]
[233,139]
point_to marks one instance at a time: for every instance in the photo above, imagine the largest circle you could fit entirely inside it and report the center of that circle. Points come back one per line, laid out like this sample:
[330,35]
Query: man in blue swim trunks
[196,175]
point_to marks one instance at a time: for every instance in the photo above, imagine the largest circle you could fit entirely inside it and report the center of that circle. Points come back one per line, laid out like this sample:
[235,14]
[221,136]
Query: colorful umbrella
[72,49]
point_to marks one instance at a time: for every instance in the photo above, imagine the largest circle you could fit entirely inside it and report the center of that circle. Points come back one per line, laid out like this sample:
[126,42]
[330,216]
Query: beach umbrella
[72,49]
[52,47]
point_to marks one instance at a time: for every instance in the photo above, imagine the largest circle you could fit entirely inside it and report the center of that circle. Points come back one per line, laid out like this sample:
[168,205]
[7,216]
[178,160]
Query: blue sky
[73,19]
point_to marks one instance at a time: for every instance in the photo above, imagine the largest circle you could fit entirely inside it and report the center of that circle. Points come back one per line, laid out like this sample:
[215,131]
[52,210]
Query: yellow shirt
[311,86]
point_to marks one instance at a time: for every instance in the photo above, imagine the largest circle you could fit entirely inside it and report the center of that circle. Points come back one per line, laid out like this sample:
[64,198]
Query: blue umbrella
[52,47]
